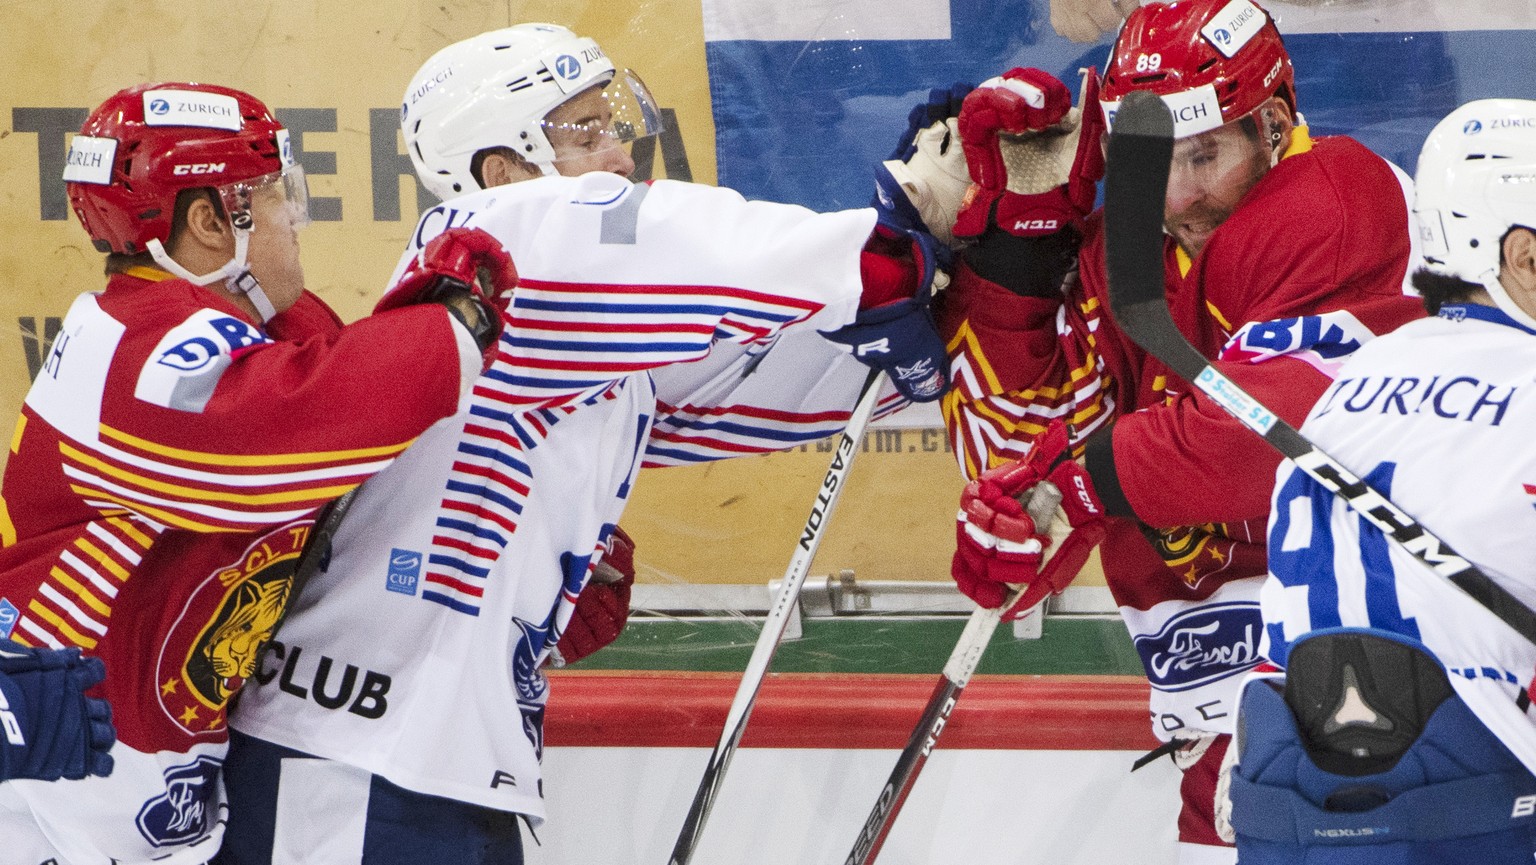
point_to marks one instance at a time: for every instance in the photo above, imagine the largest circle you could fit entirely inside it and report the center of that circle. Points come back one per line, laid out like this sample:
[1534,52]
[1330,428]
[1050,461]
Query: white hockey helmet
[495,89]
[1476,180]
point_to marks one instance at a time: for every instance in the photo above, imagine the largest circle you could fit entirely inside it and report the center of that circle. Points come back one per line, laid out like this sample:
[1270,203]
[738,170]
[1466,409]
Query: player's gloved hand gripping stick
[1025,529]
[1140,152]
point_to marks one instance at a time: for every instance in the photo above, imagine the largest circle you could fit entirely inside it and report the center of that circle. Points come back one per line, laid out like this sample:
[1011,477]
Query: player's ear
[1276,123]
[501,168]
[205,226]
[1518,265]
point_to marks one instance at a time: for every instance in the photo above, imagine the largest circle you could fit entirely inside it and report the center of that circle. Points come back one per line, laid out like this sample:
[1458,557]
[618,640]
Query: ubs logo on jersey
[196,352]
[213,646]
[184,812]
[1202,645]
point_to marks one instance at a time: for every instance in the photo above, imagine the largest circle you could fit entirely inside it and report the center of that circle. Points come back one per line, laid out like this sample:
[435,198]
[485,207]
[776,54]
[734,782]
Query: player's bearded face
[1211,173]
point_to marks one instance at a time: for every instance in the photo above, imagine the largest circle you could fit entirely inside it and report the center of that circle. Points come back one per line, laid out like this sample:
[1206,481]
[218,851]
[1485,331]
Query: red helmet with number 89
[1212,61]
[144,145]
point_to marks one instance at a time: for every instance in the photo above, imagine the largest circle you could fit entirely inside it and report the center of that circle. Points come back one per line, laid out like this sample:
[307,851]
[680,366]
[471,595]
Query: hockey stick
[1140,152]
[778,619]
[957,673]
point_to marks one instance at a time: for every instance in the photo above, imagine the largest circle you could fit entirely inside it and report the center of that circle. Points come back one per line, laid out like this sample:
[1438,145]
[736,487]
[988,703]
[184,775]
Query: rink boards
[1030,769]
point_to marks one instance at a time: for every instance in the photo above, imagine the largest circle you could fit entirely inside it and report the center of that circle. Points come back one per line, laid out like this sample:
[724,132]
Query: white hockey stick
[778,619]
[958,670]
[1140,152]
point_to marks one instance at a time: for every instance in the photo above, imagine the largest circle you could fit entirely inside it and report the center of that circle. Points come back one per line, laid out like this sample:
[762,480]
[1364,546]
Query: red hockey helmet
[145,144]
[1198,55]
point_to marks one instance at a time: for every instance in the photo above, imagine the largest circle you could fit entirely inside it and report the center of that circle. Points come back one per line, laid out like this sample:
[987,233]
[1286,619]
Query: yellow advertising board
[334,72]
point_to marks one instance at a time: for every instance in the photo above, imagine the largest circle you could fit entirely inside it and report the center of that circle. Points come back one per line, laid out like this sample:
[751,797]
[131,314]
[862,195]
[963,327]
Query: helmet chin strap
[236,275]
[1507,304]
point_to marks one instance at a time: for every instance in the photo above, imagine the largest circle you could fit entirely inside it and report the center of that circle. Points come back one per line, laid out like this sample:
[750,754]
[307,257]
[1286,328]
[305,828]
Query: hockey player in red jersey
[187,424]
[1283,254]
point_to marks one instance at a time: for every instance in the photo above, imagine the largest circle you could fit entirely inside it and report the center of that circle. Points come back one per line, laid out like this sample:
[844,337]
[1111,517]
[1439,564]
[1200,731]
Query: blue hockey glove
[922,184]
[894,330]
[49,728]
[943,104]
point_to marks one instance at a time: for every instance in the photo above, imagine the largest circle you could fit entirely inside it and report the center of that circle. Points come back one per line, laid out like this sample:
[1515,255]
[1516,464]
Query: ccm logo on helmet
[199,168]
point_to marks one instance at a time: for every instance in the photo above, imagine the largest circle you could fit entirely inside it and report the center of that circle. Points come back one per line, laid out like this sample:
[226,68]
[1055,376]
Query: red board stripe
[836,710]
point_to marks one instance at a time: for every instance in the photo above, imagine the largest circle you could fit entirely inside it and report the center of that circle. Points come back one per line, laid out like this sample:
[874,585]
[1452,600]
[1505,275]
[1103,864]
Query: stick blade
[1140,151]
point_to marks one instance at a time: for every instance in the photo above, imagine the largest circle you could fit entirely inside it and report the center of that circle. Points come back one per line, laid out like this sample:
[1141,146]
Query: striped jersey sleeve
[618,278]
[1017,363]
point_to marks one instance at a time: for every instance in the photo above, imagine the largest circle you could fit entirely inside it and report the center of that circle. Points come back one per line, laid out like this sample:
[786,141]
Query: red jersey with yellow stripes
[1311,264]
[161,483]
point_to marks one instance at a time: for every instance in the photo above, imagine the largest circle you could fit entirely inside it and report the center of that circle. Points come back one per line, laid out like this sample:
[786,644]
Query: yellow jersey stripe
[60,625]
[195,494]
[106,561]
[224,460]
[80,591]
[158,514]
[132,531]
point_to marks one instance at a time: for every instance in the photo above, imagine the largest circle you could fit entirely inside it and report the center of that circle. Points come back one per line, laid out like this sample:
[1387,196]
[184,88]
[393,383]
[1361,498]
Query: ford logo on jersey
[404,571]
[183,813]
[1202,645]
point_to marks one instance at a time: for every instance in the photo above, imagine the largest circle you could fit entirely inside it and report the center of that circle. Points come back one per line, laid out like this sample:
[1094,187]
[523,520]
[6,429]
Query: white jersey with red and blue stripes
[656,324]
[1436,416]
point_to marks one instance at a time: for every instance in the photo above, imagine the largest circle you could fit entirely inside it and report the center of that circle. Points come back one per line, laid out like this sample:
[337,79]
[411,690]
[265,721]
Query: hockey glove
[602,608]
[49,728]
[469,272]
[923,182]
[1035,159]
[1029,522]
[894,330]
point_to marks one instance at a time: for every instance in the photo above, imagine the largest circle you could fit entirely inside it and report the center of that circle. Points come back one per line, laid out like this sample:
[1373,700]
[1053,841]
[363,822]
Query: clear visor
[602,118]
[1208,160]
[289,186]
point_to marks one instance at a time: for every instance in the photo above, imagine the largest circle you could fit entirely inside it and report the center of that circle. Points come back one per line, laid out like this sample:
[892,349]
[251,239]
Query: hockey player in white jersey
[400,720]
[1401,730]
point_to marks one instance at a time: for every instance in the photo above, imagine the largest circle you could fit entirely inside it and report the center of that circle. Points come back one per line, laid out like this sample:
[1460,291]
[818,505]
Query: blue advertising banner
[808,95]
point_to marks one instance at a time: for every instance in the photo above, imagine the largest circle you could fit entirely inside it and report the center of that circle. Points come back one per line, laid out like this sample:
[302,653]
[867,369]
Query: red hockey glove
[466,270]
[602,608]
[1002,543]
[1034,159]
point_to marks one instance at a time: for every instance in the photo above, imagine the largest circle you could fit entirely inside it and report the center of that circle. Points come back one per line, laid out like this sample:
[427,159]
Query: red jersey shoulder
[308,316]
[1330,219]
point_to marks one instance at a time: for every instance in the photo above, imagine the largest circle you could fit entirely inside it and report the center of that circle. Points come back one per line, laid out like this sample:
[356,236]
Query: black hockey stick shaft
[946,693]
[776,622]
[1140,154]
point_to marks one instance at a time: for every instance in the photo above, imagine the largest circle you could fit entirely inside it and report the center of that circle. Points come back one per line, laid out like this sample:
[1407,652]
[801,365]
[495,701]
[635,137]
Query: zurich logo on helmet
[1473,127]
[1223,36]
[159,106]
[567,67]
